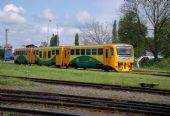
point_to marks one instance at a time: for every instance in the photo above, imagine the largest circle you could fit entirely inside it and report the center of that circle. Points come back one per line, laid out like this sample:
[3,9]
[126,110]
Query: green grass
[153,69]
[125,79]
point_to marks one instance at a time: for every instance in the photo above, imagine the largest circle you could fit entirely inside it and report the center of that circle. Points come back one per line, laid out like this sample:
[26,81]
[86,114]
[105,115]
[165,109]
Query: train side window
[49,54]
[82,51]
[88,51]
[57,52]
[77,51]
[111,51]
[94,51]
[53,52]
[72,51]
[36,52]
[100,51]
[40,54]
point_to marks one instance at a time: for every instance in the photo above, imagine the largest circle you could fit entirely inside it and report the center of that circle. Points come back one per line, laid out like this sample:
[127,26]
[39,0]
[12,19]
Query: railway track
[34,112]
[16,96]
[94,85]
[151,73]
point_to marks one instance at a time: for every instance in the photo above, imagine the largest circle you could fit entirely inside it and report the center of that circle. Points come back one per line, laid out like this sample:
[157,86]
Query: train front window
[124,51]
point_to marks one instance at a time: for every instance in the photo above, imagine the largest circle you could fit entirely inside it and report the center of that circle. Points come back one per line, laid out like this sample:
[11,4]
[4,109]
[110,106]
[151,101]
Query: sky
[28,21]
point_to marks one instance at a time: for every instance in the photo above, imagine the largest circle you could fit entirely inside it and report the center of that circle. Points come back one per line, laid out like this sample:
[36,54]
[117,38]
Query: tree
[96,33]
[76,43]
[131,6]
[44,44]
[164,35]
[58,42]
[157,13]
[54,40]
[114,33]
[129,32]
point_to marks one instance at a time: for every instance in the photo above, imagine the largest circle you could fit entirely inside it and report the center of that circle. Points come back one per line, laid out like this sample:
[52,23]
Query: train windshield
[124,51]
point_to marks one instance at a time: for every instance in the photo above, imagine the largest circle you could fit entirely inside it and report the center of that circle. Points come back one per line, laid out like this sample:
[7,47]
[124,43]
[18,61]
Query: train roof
[99,45]
[50,47]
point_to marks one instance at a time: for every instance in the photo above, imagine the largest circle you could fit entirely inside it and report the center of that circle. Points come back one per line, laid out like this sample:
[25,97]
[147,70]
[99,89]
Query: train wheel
[58,66]
[67,66]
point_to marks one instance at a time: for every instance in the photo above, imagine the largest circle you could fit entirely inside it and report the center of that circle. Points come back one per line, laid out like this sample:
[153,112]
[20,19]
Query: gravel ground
[71,110]
[120,95]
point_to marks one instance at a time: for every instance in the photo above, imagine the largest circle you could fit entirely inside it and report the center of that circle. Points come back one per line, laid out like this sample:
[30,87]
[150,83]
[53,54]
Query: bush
[164,63]
[146,62]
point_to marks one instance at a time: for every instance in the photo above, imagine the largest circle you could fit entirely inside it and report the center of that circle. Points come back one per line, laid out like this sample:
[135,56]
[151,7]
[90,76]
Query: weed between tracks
[124,79]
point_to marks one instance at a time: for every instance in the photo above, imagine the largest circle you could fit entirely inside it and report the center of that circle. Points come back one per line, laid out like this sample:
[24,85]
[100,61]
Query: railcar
[20,56]
[48,56]
[118,57]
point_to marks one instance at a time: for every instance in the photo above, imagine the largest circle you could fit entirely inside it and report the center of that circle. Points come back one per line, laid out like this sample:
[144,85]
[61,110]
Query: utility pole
[48,30]
[6,36]
[57,29]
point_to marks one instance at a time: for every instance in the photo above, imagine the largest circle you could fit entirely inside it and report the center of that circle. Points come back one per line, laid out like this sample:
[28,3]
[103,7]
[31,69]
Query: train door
[29,55]
[44,55]
[66,56]
[59,52]
[106,56]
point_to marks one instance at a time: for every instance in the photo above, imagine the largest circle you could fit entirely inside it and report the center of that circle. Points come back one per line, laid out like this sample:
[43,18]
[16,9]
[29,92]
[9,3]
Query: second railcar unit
[110,56]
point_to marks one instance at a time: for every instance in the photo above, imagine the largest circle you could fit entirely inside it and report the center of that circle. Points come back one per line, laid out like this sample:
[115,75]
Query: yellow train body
[119,57]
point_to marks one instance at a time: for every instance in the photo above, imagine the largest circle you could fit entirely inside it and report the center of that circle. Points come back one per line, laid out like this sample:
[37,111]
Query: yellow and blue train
[118,57]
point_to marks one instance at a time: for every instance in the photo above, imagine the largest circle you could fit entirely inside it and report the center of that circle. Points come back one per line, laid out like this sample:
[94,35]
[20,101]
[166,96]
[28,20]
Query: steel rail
[94,85]
[33,112]
[85,102]
[151,73]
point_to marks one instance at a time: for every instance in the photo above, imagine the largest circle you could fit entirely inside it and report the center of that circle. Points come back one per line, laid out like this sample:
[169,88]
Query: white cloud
[72,30]
[52,30]
[83,17]
[13,8]
[47,15]
[12,14]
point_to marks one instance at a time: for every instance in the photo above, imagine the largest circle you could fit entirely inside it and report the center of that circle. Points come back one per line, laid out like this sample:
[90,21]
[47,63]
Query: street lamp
[6,36]
[48,29]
